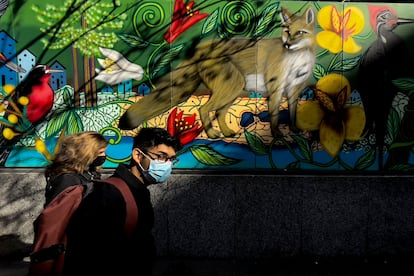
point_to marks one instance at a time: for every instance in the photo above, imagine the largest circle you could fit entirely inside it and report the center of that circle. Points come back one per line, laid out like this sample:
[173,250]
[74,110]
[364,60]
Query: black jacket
[57,184]
[97,244]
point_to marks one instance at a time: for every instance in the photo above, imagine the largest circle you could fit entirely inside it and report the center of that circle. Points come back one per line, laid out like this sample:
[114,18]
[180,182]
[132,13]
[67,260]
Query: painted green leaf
[56,123]
[366,160]
[210,23]
[318,71]
[133,41]
[393,124]
[256,144]
[346,64]
[304,147]
[63,100]
[68,119]
[266,19]
[402,167]
[294,165]
[75,124]
[208,156]
[165,59]
[404,84]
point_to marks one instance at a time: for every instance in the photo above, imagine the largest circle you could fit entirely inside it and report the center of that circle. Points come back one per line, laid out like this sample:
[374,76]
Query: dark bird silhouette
[39,96]
[386,59]
[9,64]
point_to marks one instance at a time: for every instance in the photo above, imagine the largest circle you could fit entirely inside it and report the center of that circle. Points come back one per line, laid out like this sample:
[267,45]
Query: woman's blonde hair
[76,153]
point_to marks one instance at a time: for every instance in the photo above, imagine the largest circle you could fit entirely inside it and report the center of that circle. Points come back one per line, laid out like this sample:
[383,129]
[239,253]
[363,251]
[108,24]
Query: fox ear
[285,15]
[310,16]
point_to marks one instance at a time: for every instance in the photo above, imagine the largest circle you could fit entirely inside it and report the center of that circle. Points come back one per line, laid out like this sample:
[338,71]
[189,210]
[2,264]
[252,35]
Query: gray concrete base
[228,216]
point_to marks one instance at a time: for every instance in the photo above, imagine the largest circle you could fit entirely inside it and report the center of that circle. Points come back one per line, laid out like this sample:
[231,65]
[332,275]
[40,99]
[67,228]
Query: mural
[288,85]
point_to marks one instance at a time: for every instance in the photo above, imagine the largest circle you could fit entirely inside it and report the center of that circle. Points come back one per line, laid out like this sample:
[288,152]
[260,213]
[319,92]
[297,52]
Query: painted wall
[245,92]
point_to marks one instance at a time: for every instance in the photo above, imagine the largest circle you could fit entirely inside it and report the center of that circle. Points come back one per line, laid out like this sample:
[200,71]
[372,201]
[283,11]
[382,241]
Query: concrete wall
[243,216]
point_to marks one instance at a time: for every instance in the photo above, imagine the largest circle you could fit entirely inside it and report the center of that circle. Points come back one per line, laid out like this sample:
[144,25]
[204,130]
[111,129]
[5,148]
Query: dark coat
[97,244]
[57,184]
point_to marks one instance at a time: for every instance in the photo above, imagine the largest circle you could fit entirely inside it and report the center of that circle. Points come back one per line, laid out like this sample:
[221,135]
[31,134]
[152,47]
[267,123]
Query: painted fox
[282,65]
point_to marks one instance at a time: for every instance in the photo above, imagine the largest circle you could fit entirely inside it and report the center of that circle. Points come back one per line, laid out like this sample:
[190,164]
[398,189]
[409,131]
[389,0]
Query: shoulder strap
[131,206]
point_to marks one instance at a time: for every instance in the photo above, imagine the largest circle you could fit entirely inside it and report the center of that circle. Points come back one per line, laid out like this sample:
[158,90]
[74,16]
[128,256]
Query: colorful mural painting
[253,84]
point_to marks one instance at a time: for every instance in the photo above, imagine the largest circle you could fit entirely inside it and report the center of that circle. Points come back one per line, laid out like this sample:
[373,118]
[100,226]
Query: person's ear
[136,155]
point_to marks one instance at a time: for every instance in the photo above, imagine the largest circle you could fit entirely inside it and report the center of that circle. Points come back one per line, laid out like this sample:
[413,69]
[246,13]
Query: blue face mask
[158,171]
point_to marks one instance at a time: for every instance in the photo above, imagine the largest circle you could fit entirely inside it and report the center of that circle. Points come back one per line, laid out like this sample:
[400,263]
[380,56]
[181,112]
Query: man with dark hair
[97,241]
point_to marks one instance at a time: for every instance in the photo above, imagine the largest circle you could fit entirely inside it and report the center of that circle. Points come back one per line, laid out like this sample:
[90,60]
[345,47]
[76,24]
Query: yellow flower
[23,100]
[8,133]
[8,89]
[12,119]
[336,120]
[338,29]
[40,146]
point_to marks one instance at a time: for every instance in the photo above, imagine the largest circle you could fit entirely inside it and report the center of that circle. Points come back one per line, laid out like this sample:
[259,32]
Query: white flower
[117,68]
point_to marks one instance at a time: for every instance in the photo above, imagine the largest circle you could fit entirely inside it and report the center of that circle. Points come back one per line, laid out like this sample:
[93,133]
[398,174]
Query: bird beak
[50,71]
[402,21]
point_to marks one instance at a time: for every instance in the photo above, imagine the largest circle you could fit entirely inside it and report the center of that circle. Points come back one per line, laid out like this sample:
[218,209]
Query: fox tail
[172,89]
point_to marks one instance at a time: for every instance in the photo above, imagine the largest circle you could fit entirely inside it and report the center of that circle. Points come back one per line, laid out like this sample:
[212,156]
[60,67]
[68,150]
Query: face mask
[98,161]
[157,172]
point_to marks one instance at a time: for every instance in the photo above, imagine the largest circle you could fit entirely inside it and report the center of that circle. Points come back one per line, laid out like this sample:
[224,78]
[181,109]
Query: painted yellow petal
[8,89]
[332,137]
[309,115]
[324,17]
[333,83]
[13,119]
[8,133]
[23,100]
[351,47]
[356,21]
[330,41]
[40,146]
[354,118]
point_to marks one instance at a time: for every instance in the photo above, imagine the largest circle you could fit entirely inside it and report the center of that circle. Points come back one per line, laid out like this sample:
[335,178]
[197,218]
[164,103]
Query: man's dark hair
[153,136]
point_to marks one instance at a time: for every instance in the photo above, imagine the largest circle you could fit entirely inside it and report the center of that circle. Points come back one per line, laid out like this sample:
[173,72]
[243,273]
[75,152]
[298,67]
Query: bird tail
[172,89]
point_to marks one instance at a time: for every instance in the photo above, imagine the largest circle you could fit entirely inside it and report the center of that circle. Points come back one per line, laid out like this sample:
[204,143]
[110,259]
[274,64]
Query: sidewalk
[291,267]
[15,268]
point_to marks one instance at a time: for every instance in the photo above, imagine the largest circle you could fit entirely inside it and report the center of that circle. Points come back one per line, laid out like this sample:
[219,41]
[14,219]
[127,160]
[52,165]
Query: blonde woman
[78,161]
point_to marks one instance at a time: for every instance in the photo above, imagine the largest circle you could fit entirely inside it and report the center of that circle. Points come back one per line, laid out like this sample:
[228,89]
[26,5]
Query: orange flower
[185,128]
[183,18]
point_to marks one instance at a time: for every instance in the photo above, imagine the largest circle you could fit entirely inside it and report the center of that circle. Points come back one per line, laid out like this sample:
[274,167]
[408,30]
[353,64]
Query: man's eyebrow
[164,153]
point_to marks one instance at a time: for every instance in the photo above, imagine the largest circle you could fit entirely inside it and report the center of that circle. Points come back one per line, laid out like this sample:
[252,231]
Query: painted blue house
[125,86]
[26,60]
[58,79]
[107,89]
[8,49]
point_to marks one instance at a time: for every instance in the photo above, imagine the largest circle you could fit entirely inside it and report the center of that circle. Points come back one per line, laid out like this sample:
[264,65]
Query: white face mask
[158,171]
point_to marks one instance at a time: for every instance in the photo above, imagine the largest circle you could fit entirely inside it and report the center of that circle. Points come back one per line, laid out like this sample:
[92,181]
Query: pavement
[276,267]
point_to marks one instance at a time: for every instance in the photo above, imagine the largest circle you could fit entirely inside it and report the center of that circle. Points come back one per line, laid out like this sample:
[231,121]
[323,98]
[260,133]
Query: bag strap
[131,206]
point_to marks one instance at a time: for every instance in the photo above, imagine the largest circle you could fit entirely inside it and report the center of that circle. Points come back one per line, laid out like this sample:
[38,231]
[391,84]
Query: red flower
[183,18]
[186,129]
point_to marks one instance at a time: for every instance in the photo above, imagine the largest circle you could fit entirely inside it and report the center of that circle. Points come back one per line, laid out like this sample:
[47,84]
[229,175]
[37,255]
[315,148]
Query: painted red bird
[36,88]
